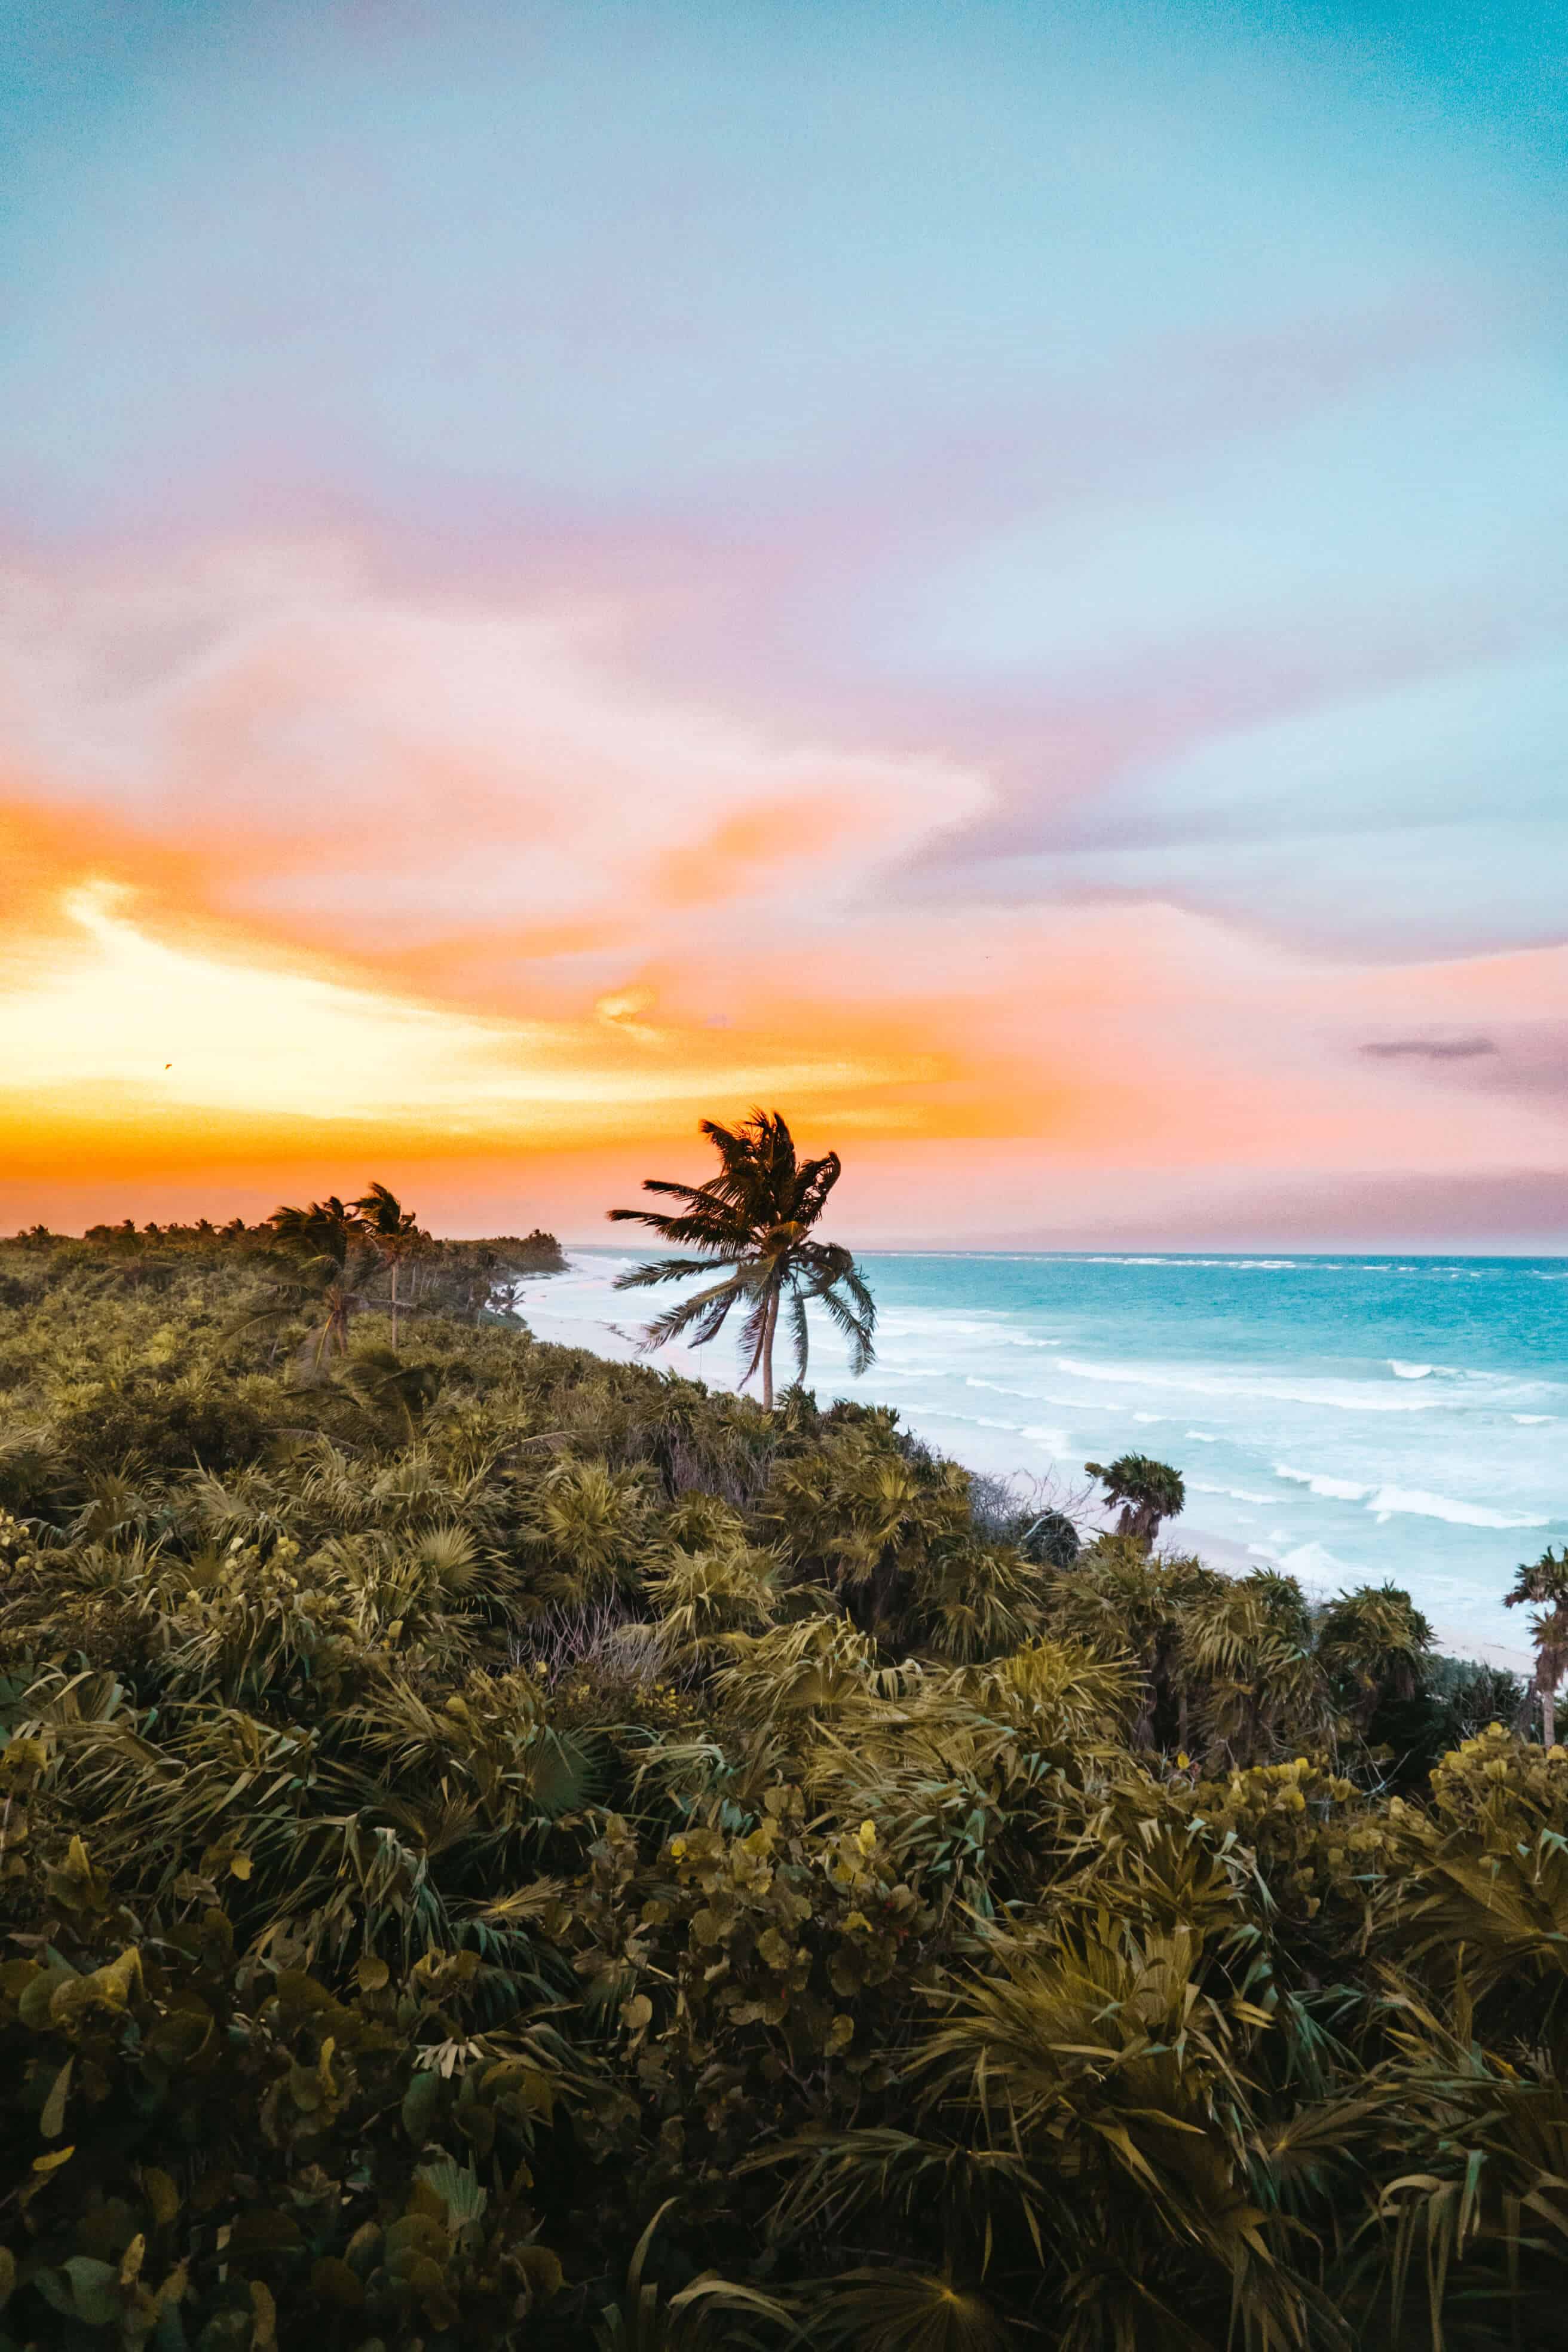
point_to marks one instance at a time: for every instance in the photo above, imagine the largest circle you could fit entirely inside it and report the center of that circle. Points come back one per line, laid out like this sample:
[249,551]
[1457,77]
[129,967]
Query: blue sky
[1156,417]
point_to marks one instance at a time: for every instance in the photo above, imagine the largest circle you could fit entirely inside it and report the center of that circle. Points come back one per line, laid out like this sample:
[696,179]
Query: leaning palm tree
[328,1286]
[330,1225]
[392,1232]
[754,1221]
[1544,1587]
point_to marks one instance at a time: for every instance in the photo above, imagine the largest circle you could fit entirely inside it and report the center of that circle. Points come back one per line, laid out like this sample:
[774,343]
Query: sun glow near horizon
[1032,645]
[110,1025]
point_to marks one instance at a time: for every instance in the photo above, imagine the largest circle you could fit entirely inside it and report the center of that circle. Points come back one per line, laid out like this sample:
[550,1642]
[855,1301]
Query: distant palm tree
[1543,1586]
[1148,1492]
[391,1231]
[328,1281]
[330,1224]
[754,1218]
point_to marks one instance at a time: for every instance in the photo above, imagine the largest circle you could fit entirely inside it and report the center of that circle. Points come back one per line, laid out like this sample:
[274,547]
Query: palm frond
[662,1269]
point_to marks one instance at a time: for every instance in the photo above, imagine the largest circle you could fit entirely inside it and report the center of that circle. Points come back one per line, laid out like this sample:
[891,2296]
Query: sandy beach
[581,1309]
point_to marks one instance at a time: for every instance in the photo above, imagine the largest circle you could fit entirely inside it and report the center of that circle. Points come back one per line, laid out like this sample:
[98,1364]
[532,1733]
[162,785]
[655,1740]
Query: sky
[988,575]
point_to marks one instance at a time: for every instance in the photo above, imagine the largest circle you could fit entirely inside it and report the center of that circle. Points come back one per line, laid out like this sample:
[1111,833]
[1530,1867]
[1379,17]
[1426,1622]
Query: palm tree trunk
[395,1307]
[1549,1702]
[768,1352]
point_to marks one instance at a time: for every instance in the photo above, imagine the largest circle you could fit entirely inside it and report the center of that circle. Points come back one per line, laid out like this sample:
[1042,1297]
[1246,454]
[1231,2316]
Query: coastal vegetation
[1541,1586]
[501,1848]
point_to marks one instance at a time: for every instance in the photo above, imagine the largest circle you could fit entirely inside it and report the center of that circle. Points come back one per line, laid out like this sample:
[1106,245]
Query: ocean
[1353,1419]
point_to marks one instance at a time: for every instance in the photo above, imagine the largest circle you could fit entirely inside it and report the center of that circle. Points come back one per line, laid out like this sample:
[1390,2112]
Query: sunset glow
[609,575]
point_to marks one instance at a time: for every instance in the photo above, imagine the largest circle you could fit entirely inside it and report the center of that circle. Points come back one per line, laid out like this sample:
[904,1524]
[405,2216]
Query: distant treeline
[465,1277]
[534,1253]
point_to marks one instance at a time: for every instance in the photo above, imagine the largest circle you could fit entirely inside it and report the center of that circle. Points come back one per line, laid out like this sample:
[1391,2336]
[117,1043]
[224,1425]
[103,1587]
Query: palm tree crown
[1148,1492]
[1542,1585]
[754,1221]
[392,1232]
[327,1282]
[325,1228]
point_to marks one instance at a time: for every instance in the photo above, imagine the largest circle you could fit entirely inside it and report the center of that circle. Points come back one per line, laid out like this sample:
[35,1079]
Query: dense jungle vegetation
[499,1848]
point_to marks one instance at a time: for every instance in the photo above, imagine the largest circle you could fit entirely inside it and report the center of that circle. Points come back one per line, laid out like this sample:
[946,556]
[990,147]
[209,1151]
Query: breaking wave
[1319,1482]
[1343,1396]
[1388,1500]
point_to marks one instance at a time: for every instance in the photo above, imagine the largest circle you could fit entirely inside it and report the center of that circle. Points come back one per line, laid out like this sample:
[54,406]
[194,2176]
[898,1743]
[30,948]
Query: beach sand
[606,1336]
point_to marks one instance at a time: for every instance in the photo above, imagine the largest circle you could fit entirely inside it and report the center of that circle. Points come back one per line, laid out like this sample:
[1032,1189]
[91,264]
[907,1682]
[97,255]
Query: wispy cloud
[446,873]
[1429,1049]
[1004,582]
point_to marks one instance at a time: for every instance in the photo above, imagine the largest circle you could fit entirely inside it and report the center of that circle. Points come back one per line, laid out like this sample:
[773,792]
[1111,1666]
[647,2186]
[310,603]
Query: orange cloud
[105,1023]
[300,873]
[762,847]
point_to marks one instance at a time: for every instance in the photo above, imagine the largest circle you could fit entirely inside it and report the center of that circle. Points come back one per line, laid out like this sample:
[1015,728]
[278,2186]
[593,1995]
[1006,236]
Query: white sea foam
[973,1420]
[1228,1265]
[1343,1396]
[1319,1482]
[935,1319]
[1311,1563]
[1434,1502]
[1385,1502]
[1389,1500]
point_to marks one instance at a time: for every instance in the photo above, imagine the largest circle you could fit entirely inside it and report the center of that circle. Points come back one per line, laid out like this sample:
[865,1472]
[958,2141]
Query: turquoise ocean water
[1354,1418]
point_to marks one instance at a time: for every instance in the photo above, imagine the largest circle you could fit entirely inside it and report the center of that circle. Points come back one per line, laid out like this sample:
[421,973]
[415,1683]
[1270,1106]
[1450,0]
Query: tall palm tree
[1543,1586]
[755,1220]
[391,1232]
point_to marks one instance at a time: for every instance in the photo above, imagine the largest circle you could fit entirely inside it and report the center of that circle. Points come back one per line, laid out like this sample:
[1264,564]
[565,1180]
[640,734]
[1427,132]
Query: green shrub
[499,1848]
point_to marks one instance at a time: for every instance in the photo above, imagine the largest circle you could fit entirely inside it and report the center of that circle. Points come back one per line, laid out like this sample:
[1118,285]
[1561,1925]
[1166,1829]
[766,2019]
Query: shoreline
[602,1336]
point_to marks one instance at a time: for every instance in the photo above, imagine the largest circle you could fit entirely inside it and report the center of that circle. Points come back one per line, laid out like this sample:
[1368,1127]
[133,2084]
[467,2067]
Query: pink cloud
[481,799]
